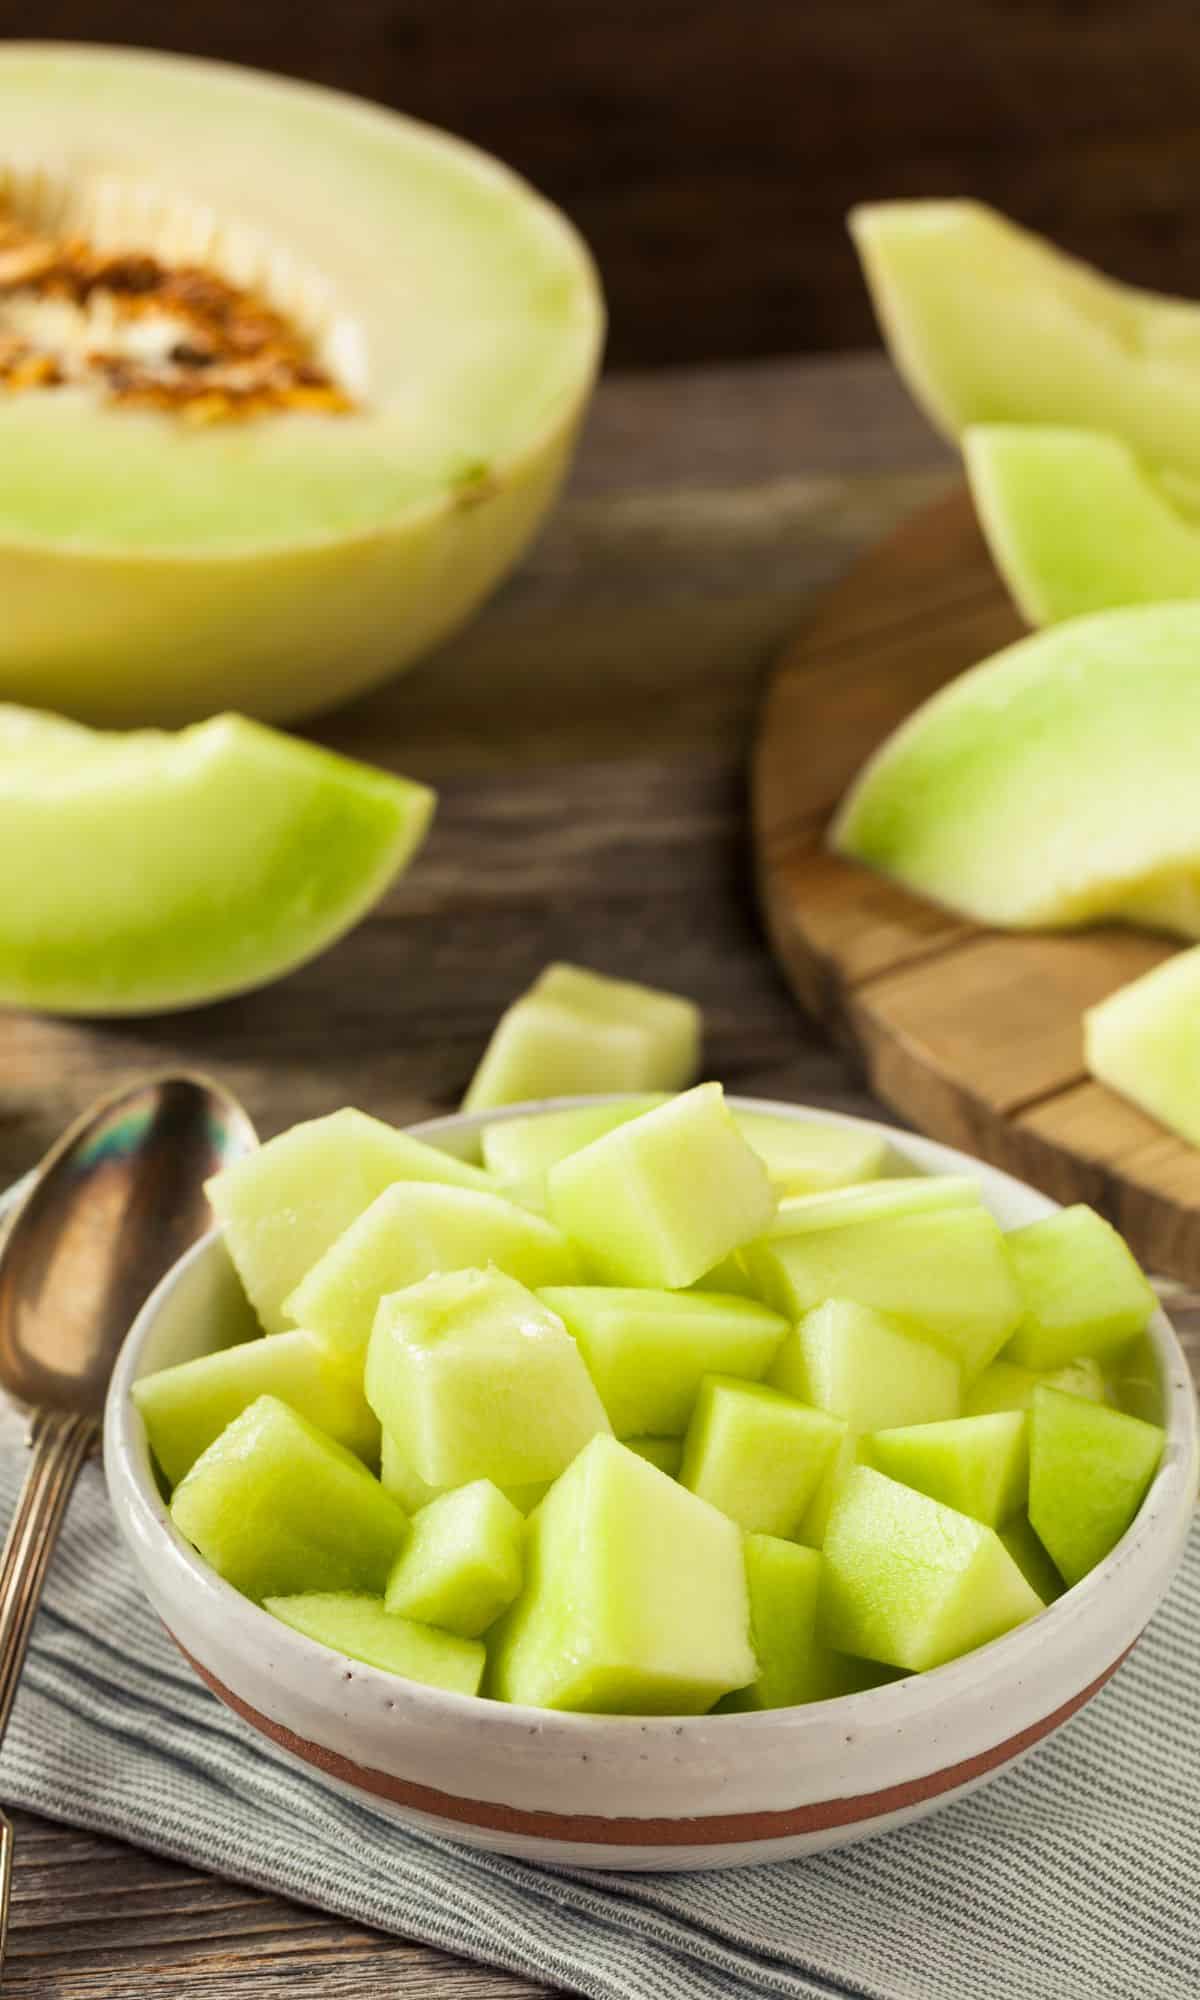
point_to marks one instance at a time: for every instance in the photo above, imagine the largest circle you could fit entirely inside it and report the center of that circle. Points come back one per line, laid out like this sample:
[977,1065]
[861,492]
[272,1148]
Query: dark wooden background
[710,148]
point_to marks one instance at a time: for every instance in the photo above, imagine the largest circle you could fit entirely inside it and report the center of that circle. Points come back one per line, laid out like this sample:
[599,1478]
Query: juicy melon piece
[184,1408]
[634,1601]
[662,1199]
[276,1507]
[979,1465]
[1005,1386]
[1090,1468]
[1082,1289]
[794,1663]
[411,1231]
[476,1379]
[462,1564]
[577,1031]
[757,1454]
[913,1583]
[804,1156]
[360,1626]
[876,1200]
[648,1351]
[522,1150]
[282,1206]
[1144,1041]
[1054,784]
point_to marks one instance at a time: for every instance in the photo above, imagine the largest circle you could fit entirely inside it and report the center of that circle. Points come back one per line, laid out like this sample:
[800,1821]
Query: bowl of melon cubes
[650,1482]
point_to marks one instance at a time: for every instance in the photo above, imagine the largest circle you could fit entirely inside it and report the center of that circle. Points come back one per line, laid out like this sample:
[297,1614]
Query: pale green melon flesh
[462,1564]
[522,1150]
[1144,1041]
[576,1031]
[398,1478]
[1089,1471]
[803,1156]
[1031,1559]
[794,1664]
[979,1465]
[359,1626]
[664,1452]
[1004,1385]
[906,1195]
[1082,1291]
[1052,785]
[757,1454]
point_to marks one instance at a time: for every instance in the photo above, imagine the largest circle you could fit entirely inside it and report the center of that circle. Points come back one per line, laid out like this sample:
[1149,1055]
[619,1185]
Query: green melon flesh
[1082,1290]
[398,1478]
[359,1626]
[282,565]
[648,1351]
[1005,1386]
[165,871]
[462,1564]
[912,1583]
[184,1408]
[635,1599]
[1089,1471]
[277,1507]
[662,1199]
[1053,785]
[757,1454]
[979,1465]
[523,1150]
[283,1206]
[1144,1041]
[876,1200]
[576,1031]
[1031,1559]
[410,1231]
[794,1663]
[803,1156]
[664,1452]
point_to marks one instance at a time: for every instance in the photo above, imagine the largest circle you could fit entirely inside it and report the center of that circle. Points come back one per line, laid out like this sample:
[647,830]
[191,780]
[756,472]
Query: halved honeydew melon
[1144,1041]
[577,1031]
[285,563]
[360,1626]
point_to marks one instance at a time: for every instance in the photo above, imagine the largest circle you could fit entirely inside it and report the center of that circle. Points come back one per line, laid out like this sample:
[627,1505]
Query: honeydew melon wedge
[162,871]
[757,1454]
[361,1627]
[282,564]
[979,1465]
[576,1031]
[1144,1041]
[1082,1290]
[1054,784]
[521,1151]
[1089,1471]
[462,1564]
[794,1663]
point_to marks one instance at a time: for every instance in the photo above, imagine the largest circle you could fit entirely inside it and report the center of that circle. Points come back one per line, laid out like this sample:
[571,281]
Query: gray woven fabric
[1075,1877]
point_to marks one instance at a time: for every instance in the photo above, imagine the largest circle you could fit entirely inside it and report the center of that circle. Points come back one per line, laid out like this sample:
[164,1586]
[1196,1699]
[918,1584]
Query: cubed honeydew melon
[1005,1386]
[577,1031]
[1144,1041]
[794,1663]
[980,1465]
[278,1507]
[521,1151]
[942,1270]
[1031,1558]
[362,1628]
[1090,1468]
[911,1582]
[476,1379]
[757,1454]
[663,1198]
[1082,1291]
[1053,785]
[282,1206]
[664,1452]
[797,1214]
[398,1478]
[989,323]
[804,1156]
[185,1407]
[648,1351]
[410,1231]
[462,1563]
[634,1600]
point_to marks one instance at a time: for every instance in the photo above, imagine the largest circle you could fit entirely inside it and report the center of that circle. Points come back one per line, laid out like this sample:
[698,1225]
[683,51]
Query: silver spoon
[110,1209]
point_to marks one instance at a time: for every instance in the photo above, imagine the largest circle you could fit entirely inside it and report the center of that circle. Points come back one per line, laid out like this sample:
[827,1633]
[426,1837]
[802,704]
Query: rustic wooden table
[587,735]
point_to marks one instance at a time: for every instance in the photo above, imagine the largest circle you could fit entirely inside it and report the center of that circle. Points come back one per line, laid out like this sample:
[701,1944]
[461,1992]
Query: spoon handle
[59,1442]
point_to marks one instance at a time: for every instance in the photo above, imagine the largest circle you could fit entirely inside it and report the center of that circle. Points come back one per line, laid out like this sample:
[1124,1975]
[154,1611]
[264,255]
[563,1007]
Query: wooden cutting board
[972,1035]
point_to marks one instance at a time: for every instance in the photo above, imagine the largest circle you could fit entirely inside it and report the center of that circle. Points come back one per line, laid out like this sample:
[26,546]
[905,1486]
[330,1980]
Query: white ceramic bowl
[616,1791]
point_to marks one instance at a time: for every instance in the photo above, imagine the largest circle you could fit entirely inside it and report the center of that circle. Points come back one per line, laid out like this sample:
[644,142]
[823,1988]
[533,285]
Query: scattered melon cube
[648,1351]
[283,1205]
[461,1566]
[361,1628]
[1143,1040]
[634,1601]
[794,1663]
[184,1408]
[980,1465]
[805,1157]
[1083,1293]
[907,1194]
[410,1232]
[1089,1471]
[757,1454]
[663,1198]
[576,1031]
[277,1507]
[665,1453]
[1031,1559]
[476,1379]
[911,1582]
[1005,1386]
[521,1151]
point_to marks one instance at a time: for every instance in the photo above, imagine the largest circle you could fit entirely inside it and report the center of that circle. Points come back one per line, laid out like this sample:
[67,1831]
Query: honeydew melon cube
[1081,1288]
[277,1507]
[1005,1386]
[1143,1040]
[184,1408]
[662,1199]
[461,1566]
[282,1206]
[665,1453]
[410,1232]
[476,1379]
[413,1493]
[635,1599]
[794,1663]
[805,1157]
[980,1465]
[1031,1558]
[757,1454]
[911,1582]
[360,1627]
[907,1194]
[521,1151]
[577,1031]
[1089,1471]
[944,1271]
[648,1351]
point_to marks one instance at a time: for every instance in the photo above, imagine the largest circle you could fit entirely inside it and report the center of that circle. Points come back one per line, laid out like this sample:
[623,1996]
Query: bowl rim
[1154,1539]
